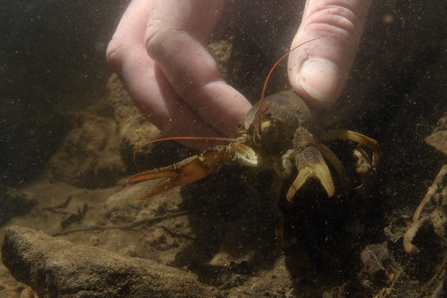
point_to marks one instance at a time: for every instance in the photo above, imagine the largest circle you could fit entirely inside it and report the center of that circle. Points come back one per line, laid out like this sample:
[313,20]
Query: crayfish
[274,135]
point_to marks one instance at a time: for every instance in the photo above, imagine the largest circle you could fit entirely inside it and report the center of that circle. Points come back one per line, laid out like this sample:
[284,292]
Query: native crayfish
[274,135]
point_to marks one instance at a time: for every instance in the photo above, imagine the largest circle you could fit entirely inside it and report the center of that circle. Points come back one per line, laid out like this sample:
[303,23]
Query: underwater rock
[134,129]
[89,156]
[438,139]
[58,268]
[373,257]
[13,204]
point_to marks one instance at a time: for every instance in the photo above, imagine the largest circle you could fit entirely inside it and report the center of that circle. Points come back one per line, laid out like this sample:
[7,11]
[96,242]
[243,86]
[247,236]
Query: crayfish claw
[314,168]
[167,172]
[184,172]
[164,185]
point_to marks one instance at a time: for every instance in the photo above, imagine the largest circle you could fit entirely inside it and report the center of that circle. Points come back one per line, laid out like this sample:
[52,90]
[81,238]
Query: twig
[387,291]
[439,291]
[437,277]
[60,206]
[147,220]
[409,247]
[431,191]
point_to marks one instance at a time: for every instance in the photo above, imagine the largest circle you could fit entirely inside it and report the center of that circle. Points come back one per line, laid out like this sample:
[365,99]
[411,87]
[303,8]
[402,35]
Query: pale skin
[159,51]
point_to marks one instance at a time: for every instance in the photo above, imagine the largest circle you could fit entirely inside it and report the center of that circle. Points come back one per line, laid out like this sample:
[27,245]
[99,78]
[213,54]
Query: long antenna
[264,88]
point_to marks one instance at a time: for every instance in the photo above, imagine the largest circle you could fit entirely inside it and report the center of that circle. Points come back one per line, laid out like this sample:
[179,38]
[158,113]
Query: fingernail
[320,78]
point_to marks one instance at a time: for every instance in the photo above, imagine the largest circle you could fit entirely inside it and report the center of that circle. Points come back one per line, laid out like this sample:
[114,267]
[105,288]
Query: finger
[176,38]
[127,56]
[318,70]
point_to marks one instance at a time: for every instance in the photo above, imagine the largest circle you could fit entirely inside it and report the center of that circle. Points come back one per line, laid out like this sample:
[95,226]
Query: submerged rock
[58,268]
[438,139]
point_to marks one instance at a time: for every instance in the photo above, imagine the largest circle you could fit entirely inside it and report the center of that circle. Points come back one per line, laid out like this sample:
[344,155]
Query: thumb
[318,70]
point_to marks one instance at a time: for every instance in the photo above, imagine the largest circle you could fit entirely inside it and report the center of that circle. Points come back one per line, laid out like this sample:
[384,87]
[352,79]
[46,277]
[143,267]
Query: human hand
[159,52]
[318,70]
[182,93]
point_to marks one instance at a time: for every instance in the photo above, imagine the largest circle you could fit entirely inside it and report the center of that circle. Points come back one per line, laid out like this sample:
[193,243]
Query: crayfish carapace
[274,135]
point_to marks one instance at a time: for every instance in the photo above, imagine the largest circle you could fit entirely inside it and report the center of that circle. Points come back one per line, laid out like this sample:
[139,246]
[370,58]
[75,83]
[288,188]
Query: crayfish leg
[359,138]
[338,166]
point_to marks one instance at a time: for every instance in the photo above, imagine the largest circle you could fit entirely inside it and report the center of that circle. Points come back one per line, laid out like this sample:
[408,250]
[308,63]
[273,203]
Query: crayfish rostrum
[273,135]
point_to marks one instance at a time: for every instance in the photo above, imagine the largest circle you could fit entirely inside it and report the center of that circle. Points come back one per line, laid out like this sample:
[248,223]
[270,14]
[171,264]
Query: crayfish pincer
[274,136]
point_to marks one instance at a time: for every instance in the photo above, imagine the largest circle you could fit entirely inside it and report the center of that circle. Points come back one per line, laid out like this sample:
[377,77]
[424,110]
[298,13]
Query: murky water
[68,130]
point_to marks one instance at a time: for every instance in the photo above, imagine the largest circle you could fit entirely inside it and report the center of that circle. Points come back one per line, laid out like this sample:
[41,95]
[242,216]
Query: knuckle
[154,37]
[114,53]
[336,19]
